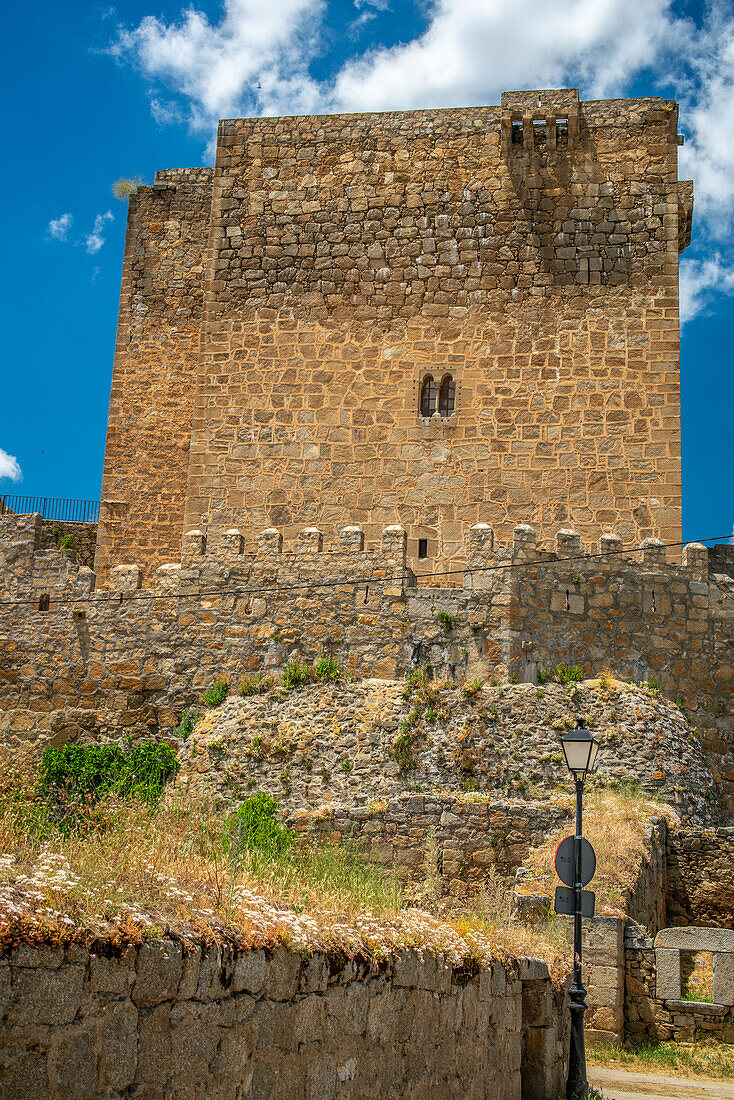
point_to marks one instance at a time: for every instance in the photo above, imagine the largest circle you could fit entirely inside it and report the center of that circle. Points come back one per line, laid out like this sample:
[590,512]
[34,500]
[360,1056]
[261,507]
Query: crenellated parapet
[28,570]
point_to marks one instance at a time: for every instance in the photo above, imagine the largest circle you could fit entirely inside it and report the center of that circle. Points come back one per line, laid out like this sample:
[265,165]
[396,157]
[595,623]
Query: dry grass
[704,1058]
[137,873]
[615,822]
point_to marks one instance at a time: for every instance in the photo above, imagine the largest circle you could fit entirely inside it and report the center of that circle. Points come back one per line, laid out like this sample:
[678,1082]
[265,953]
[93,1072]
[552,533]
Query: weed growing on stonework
[576,579]
[446,620]
[256,685]
[347,766]
[126,186]
[327,668]
[189,718]
[295,675]
[562,674]
[470,690]
[682,708]
[75,777]
[216,693]
[276,637]
[403,748]
[651,688]
[257,747]
[68,542]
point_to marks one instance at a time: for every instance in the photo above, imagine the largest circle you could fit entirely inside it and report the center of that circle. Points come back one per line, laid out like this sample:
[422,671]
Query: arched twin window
[445,393]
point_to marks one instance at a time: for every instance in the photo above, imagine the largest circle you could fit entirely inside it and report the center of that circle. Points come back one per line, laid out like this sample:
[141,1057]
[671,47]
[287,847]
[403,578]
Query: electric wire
[542,557]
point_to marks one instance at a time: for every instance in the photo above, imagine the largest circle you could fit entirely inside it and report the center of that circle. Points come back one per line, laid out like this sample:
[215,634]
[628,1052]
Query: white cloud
[474,49]
[698,278]
[58,228]
[254,59]
[707,117]
[9,466]
[95,240]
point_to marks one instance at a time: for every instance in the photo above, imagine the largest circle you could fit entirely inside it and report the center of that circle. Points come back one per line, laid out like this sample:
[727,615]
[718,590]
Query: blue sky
[94,92]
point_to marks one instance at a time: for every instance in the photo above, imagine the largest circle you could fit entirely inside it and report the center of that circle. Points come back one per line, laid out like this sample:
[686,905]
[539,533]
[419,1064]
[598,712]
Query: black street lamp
[580,750]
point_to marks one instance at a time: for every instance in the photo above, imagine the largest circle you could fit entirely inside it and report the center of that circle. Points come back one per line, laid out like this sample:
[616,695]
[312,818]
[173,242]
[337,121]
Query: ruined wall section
[351,255]
[154,375]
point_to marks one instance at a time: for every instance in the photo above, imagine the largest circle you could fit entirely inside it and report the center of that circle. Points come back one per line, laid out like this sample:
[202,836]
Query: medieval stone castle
[391,393]
[429,319]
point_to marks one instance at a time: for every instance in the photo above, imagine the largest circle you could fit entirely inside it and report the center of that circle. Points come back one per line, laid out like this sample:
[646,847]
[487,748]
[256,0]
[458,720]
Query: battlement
[28,568]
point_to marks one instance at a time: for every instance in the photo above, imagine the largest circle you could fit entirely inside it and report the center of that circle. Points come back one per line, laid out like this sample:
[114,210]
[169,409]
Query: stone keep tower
[432,318]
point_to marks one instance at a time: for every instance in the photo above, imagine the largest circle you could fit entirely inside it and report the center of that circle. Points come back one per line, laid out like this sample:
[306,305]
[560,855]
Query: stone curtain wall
[154,376]
[274,1025]
[701,877]
[135,656]
[352,255]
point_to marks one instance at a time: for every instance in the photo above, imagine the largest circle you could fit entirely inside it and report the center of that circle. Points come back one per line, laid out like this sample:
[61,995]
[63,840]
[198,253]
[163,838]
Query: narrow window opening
[653,601]
[422,548]
[447,396]
[517,133]
[366,593]
[428,396]
[568,602]
[44,602]
[562,131]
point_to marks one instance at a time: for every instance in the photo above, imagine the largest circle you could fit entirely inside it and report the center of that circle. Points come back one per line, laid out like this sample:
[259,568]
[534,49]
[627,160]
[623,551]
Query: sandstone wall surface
[351,256]
[154,375]
[153,1021]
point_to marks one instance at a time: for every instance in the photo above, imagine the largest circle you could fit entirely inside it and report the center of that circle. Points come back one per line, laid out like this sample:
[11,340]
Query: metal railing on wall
[59,508]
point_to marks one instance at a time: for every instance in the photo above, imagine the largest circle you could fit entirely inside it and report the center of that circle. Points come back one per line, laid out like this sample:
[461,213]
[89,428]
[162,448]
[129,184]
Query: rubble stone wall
[157,1021]
[452,842]
[700,866]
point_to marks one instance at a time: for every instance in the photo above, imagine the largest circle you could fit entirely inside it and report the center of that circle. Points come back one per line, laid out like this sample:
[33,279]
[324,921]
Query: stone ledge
[700,1008]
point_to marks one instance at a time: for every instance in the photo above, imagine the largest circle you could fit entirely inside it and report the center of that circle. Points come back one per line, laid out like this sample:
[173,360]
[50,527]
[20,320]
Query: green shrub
[68,542]
[403,748]
[296,674]
[568,674]
[253,829]
[256,685]
[327,668]
[189,718]
[76,776]
[446,620]
[215,695]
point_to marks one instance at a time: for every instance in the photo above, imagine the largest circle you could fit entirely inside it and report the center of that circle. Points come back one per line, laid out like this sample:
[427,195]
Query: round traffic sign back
[566,861]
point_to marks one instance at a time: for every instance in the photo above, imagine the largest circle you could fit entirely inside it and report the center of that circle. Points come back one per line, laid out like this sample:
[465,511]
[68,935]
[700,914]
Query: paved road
[619,1084]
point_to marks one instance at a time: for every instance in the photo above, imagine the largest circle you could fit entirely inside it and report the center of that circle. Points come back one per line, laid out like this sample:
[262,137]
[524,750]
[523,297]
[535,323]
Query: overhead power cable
[117,597]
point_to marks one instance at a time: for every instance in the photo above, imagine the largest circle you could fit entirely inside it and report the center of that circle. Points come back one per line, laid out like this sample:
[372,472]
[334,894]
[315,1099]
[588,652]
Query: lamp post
[580,750]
